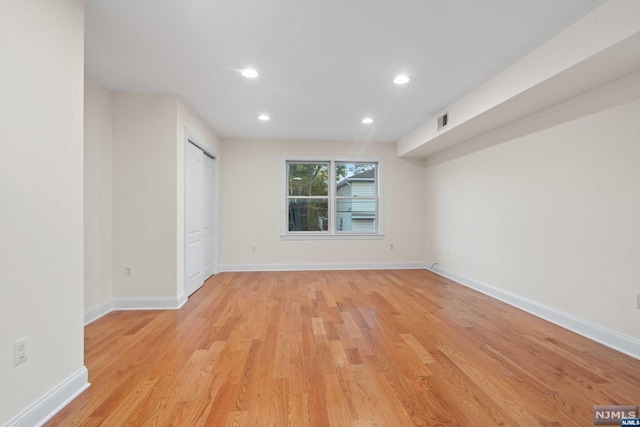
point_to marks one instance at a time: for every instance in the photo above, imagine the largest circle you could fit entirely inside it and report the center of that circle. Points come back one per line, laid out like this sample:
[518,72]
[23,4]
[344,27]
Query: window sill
[350,236]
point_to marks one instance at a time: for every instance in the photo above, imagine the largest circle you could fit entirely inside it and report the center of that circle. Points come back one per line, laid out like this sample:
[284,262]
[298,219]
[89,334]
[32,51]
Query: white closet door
[193,217]
[207,220]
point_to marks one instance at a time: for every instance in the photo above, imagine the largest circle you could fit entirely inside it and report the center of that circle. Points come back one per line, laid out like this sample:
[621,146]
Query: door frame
[190,138]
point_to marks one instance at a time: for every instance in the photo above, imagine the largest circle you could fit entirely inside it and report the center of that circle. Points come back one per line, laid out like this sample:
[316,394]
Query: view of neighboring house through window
[349,205]
[356,197]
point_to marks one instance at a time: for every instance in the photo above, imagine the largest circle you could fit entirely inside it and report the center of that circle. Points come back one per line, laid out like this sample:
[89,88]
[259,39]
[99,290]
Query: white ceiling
[324,64]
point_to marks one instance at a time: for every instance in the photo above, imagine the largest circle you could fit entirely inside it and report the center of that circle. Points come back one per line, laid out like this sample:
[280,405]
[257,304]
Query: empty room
[319,213]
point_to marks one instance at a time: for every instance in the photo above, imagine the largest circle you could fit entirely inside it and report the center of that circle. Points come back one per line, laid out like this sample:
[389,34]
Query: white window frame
[332,233]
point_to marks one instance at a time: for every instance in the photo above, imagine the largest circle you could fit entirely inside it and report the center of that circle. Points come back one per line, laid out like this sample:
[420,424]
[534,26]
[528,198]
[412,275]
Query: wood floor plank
[418,349]
[343,348]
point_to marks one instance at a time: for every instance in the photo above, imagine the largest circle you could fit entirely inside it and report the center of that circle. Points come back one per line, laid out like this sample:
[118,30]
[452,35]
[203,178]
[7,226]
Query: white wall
[189,122]
[98,263]
[250,207]
[144,195]
[41,196]
[553,216]
[148,191]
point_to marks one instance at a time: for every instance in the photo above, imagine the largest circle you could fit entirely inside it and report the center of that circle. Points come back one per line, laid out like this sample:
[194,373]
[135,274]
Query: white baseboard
[182,299]
[134,303]
[51,403]
[142,303]
[315,267]
[97,311]
[602,335]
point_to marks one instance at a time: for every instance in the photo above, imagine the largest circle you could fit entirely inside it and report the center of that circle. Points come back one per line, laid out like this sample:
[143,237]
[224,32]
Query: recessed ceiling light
[367,120]
[249,73]
[264,117]
[401,79]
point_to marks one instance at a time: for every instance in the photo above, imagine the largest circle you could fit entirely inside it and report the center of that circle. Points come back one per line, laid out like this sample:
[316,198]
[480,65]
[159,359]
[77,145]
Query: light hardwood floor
[343,348]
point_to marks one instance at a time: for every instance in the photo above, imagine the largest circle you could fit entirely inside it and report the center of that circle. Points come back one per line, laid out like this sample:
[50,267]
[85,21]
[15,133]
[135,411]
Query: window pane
[308,179]
[348,172]
[356,215]
[308,214]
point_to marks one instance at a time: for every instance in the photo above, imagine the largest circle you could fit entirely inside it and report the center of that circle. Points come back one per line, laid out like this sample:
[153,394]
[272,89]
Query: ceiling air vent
[443,121]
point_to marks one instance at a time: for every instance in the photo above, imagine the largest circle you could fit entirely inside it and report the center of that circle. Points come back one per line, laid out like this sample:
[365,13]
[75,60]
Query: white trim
[181,300]
[597,333]
[216,215]
[142,303]
[342,236]
[316,267]
[97,311]
[134,303]
[43,409]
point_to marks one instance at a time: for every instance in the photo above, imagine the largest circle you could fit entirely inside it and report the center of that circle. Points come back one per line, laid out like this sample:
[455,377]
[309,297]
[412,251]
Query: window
[331,198]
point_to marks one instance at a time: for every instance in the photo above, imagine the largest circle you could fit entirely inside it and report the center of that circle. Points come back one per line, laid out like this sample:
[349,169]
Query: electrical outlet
[20,351]
[128,271]
[391,246]
[253,247]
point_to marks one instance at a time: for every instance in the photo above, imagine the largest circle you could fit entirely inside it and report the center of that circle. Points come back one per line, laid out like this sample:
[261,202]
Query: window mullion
[332,194]
[309,197]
